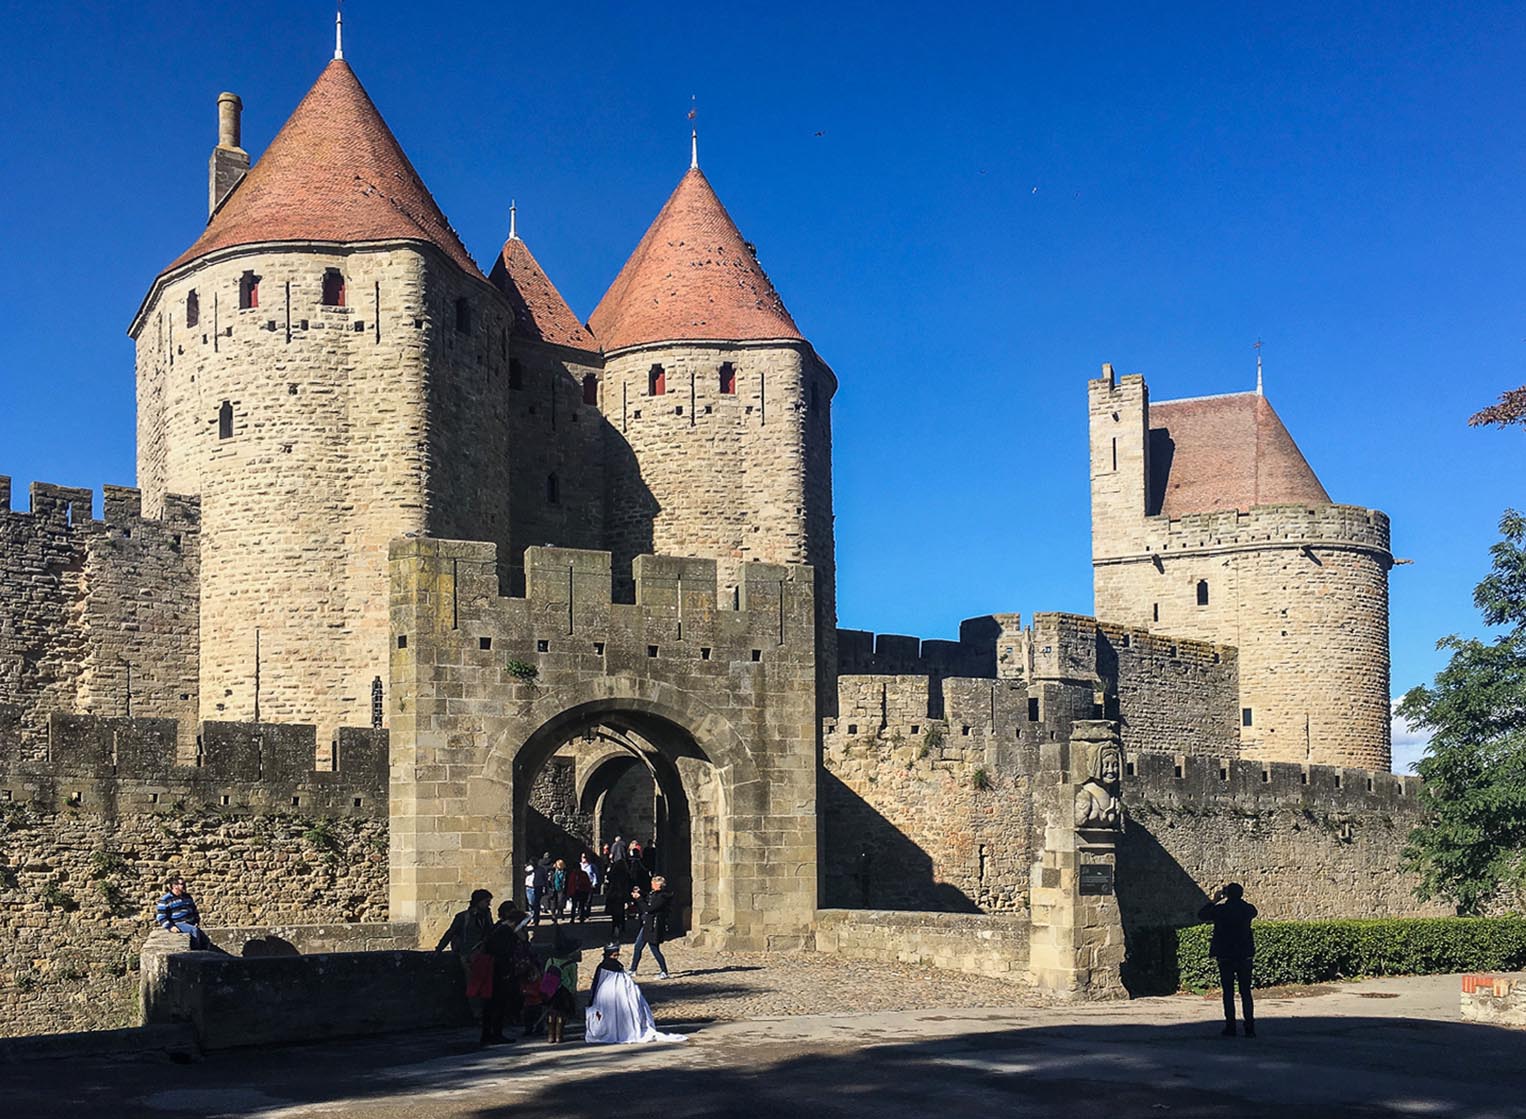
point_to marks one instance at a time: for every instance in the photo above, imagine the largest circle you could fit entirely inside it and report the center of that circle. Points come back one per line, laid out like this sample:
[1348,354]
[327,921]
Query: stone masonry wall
[1300,591]
[486,689]
[733,477]
[96,615]
[348,425]
[1306,842]
[927,813]
[88,838]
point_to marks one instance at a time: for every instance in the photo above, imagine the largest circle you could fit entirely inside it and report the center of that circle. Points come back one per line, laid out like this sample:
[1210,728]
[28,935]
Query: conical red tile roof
[540,312]
[692,276]
[334,172]
[1225,452]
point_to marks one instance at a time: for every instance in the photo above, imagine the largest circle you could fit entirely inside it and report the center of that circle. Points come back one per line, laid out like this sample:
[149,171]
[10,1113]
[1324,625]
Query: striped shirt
[172,911]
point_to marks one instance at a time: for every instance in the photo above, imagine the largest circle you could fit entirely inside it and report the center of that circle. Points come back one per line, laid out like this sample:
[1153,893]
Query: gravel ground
[709,986]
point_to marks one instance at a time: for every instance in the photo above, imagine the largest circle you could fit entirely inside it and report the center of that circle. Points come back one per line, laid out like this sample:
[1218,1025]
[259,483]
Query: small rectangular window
[543,646]
[225,421]
[728,379]
[656,381]
[192,309]
[1155,612]
[1033,710]
[591,389]
[757,655]
[1202,592]
[1245,716]
[598,648]
[333,288]
[402,641]
[651,650]
[484,643]
[248,291]
[704,653]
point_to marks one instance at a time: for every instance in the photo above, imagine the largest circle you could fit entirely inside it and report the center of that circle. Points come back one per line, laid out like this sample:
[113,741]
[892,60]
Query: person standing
[653,907]
[532,895]
[465,936]
[617,851]
[556,882]
[177,912]
[617,893]
[510,956]
[540,876]
[1234,946]
[580,889]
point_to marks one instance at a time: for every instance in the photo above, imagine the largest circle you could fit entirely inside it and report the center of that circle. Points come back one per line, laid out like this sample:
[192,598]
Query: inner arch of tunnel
[686,816]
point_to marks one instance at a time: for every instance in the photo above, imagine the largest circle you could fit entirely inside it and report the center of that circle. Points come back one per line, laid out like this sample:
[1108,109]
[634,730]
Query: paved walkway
[1386,1047]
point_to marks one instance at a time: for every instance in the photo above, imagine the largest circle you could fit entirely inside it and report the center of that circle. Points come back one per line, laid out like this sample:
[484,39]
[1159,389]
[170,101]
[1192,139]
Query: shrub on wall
[1316,951]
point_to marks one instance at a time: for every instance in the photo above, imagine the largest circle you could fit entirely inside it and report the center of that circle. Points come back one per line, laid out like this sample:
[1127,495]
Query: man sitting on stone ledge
[177,912]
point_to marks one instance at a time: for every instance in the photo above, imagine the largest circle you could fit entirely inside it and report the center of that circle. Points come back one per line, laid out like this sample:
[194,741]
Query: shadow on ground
[1309,1066]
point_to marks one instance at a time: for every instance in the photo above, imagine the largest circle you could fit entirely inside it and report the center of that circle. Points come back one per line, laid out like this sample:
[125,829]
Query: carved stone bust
[1097,798]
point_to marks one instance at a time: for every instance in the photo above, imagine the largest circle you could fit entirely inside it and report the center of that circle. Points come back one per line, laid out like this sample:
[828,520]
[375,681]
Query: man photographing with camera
[1234,946]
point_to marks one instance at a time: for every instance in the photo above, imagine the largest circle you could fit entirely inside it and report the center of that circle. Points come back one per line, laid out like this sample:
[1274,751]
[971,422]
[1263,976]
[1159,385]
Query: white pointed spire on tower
[693,135]
[513,227]
[1259,391]
[339,30]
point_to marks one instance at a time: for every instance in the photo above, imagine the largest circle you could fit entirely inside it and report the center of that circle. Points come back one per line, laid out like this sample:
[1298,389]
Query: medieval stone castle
[391,503]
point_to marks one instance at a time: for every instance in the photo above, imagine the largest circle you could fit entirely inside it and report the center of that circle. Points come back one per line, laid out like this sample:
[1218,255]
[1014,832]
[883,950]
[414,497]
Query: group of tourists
[511,982]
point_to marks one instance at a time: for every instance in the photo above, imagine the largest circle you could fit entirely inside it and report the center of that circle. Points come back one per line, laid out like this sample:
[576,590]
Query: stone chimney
[229,161]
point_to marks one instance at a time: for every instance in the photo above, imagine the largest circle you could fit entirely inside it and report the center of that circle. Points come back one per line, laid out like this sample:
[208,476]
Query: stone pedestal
[1076,947]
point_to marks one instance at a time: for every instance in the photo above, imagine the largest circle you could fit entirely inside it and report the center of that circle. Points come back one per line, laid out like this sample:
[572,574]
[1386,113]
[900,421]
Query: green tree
[1471,847]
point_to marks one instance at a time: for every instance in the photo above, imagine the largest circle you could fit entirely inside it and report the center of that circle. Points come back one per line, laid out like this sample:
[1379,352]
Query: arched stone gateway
[486,690]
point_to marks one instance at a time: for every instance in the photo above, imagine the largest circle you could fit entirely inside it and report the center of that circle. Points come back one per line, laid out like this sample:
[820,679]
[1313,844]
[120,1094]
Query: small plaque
[1096,878]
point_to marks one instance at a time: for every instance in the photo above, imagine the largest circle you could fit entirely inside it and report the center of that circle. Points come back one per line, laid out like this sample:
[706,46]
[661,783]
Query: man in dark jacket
[1234,946]
[512,961]
[466,935]
[617,893]
[540,879]
[653,908]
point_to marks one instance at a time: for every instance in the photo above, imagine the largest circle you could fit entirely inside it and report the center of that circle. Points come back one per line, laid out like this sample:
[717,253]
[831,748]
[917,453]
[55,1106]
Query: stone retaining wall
[975,943]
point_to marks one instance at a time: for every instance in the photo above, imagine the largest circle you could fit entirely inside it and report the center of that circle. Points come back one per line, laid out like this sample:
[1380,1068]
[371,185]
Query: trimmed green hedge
[1316,951]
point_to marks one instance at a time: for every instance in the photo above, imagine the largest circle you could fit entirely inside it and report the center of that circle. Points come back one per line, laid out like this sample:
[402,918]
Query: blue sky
[966,209]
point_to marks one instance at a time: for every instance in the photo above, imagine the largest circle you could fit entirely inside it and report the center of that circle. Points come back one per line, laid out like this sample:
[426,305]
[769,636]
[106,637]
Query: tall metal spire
[513,230]
[339,30]
[1259,391]
[693,134]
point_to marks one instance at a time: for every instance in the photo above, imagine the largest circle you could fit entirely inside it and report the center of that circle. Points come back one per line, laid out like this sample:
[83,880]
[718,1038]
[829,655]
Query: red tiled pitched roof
[540,312]
[334,172]
[692,276]
[1225,452]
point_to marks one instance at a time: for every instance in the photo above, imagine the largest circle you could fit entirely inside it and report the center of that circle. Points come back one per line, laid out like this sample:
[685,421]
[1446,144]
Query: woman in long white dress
[617,1012]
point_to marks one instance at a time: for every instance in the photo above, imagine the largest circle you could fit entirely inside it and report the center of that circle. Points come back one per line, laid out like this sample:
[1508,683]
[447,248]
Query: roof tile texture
[540,312]
[1225,452]
[691,277]
[334,172]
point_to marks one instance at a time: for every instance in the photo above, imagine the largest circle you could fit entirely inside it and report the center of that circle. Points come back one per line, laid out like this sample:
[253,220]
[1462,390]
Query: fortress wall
[994,645]
[88,835]
[97,615]
[923,812]
[1307,842]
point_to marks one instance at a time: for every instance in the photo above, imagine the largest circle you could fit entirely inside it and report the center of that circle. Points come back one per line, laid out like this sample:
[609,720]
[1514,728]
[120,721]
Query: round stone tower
[1208,523]
[315,368]
[719,410]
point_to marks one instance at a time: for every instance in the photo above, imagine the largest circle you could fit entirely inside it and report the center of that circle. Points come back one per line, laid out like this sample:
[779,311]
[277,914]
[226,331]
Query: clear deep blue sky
[966,210]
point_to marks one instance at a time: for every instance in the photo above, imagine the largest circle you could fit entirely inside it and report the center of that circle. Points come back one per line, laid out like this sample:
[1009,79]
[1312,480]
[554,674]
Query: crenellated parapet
[98,615]
[115,766]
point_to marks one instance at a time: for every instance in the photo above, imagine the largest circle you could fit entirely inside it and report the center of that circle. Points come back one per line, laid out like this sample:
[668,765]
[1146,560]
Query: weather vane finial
[513,229]
[1258,368]
[339,29]
[693,133]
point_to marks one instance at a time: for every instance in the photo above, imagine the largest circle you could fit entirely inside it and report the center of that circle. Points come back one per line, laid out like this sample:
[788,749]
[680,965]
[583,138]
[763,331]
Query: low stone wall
[1499,1000]
[976,943]
[231,1001]
[251,941]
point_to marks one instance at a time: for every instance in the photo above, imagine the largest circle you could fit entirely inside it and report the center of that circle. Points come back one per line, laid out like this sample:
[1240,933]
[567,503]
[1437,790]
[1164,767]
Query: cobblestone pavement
[711,986]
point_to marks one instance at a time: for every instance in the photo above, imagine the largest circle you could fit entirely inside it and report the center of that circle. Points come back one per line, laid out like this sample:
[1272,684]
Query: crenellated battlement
[990,645]
[74,506]
[116,766]
[1181,777]
[1267,526]
[569,608]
